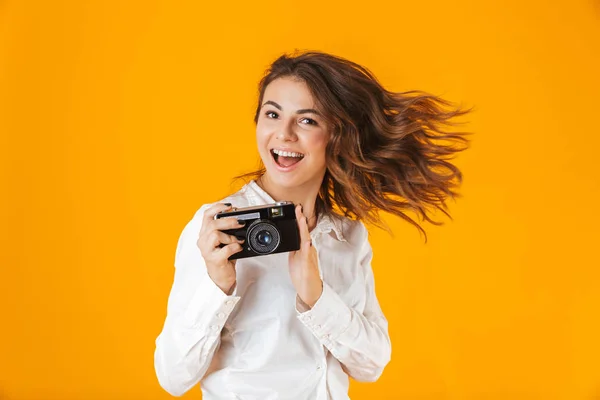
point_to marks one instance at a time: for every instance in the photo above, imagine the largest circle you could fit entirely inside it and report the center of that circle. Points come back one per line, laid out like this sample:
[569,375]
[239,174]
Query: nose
[286,133]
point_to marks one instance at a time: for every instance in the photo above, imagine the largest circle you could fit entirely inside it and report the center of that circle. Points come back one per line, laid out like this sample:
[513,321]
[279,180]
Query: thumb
[308,244]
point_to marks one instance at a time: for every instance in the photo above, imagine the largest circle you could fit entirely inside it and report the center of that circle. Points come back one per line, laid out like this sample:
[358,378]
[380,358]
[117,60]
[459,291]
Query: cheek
[318,145]
[261,135]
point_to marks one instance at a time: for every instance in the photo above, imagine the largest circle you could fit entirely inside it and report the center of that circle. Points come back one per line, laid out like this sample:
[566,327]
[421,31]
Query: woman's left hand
[304,265]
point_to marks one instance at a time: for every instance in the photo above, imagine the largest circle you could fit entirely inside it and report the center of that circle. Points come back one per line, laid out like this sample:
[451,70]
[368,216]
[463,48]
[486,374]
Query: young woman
[296,325]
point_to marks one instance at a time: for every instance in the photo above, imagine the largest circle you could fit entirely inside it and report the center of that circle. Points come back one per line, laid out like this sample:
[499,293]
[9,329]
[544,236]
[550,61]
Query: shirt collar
[325,223]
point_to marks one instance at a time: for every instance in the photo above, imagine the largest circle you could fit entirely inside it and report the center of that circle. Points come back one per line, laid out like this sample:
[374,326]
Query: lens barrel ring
[268,230]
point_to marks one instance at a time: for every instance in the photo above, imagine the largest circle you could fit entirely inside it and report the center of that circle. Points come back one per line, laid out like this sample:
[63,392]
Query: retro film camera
[269,229]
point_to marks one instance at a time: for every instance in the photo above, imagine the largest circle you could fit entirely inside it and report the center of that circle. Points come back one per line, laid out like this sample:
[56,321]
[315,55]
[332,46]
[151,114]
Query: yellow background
[118,119]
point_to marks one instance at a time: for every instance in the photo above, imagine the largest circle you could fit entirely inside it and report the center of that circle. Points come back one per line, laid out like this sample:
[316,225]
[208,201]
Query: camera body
[269,229]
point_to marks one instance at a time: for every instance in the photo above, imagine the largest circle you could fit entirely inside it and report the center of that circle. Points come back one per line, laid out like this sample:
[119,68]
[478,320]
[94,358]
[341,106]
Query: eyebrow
[302,111]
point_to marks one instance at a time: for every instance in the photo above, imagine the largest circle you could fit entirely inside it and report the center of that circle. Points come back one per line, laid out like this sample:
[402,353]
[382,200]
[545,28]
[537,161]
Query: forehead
[289,92]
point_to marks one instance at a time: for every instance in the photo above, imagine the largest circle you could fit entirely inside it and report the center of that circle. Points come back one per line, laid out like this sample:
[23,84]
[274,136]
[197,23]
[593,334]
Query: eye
[269,113]
[310,121]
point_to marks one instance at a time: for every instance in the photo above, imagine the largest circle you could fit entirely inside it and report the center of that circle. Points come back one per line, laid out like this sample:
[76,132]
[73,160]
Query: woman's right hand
[220,269]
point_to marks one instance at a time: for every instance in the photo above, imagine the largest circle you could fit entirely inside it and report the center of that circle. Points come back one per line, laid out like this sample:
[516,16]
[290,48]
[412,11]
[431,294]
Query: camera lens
[264,238]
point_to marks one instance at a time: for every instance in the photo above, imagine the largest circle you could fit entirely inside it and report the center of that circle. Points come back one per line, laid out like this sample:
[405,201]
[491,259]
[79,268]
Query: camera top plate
[280,209]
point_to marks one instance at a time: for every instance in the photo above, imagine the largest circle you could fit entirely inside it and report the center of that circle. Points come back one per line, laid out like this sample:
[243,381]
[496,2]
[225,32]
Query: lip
[285,169]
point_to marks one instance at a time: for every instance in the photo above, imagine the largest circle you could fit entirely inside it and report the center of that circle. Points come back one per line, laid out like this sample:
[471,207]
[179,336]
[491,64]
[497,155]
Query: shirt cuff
[210,307]
[328,318]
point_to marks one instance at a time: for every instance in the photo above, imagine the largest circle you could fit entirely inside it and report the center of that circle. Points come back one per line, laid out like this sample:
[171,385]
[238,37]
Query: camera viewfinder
[277,212]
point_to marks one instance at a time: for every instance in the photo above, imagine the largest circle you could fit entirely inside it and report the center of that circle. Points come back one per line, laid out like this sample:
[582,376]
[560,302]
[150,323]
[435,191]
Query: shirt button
[215,327]
[319,367]
[220,315]
[229,302]
[326,336]
[308,318]
[318,326]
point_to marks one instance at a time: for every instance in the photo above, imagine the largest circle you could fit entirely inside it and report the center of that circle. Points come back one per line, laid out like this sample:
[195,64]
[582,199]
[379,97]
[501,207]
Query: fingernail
[227,204]
[241,222]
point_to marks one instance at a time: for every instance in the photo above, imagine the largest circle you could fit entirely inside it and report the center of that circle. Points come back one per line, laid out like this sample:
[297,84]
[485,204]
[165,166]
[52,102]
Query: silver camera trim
[246,216]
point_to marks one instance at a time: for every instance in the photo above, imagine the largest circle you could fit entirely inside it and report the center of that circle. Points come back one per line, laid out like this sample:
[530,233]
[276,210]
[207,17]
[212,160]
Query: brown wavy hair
[388,151]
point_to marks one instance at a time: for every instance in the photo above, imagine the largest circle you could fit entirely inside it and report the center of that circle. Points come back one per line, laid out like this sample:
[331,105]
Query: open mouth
[285,158]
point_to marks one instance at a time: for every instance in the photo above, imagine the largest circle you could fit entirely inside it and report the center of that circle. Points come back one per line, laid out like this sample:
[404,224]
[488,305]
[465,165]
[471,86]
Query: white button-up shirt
[262,342]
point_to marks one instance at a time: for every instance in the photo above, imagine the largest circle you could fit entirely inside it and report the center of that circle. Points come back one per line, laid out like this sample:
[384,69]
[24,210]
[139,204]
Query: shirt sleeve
[359,340]
[196,312]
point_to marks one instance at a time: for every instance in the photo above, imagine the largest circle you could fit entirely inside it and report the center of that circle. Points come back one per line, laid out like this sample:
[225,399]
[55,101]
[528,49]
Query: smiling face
[291,135]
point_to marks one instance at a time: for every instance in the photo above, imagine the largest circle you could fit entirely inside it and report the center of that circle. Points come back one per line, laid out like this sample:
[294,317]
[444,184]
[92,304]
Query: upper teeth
[287,153]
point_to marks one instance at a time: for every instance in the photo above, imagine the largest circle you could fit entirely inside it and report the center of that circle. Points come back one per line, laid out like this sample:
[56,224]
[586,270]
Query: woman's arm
[196,311]
[360,341]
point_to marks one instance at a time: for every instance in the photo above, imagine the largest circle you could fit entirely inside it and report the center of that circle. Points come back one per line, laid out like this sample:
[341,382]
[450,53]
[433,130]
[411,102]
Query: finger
[305,239]
[208,242]
[223,238]
[230,250]
[213,240]
[210,213]
[223,224]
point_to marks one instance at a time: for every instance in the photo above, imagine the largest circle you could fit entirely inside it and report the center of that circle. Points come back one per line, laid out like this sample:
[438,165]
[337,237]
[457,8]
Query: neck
[305,195]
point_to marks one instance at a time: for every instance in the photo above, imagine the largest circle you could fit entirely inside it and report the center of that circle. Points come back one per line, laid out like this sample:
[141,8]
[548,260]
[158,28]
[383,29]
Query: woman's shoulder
[238,199]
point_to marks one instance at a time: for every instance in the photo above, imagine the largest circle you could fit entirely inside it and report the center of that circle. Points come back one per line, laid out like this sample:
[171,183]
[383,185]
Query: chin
[287,181]
[290,181]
